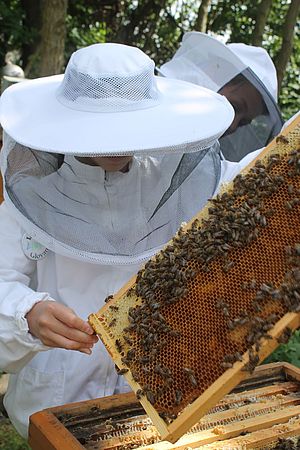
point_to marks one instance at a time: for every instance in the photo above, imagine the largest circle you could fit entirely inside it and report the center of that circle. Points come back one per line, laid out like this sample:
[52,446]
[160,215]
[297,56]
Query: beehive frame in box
[217,299]
[260,411]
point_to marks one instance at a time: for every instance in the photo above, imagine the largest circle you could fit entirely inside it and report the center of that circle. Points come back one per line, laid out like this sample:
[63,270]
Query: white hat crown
[109,78]
[259,61]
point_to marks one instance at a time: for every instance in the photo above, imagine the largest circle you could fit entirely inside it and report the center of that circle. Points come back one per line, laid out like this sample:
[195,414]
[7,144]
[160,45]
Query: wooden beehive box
[215,301]
[259,412]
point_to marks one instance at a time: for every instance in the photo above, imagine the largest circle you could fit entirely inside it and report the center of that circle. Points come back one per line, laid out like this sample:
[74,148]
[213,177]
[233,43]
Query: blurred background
[40,35]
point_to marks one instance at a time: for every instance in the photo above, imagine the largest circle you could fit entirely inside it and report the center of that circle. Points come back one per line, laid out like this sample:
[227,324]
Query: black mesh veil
[82,211]
[259,132]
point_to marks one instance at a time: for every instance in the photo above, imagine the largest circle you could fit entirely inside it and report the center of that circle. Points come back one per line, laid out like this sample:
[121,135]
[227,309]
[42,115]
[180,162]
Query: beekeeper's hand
[57,325]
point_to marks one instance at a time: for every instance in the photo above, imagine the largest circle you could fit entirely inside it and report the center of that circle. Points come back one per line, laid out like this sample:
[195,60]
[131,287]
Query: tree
[53,34]
[32,20]
[261,18]
[151,26]
[233,19]
[283,56]
[140,20]
[49,57]
[201,22]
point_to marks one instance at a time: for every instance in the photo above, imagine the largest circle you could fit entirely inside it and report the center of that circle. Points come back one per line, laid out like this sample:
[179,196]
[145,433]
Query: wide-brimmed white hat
[206,61]
[109,102]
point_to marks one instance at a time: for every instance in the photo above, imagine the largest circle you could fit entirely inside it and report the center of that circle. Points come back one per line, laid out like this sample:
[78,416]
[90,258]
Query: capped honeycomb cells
[217,289]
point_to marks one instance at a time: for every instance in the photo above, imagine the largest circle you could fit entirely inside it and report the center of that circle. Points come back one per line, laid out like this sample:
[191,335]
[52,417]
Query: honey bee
[226,365]
[112,323]
[273,159]
[285,336]
[121,371]
[165,418]
[174,333]
[108,298]
[227,266]
[220,304]
[241,320]
[139,394]
[244,286]
[127,340]
[118,345]
[125,360]
[288,205]
[169,381]
[238,356]
[191,376]
[282,139]
[114,308]
[231,325]
[131,354]
[178,397]
[135,376]
[150,396]
[130,292]
[144,360]
[250,366]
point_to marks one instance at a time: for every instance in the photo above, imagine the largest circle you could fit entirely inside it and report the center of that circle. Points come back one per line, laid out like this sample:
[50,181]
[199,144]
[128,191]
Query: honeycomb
[217,299]
[255,443]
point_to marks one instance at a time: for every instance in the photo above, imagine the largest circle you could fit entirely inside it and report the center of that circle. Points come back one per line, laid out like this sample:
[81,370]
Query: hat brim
[31,114]
[215,47]
[203,60]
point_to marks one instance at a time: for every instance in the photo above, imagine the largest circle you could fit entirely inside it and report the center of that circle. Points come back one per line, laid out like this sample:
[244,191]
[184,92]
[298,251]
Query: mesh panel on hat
[108,92]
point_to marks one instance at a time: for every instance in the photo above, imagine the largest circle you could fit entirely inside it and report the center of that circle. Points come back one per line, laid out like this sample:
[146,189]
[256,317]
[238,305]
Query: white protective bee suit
[74,234]
[43,376]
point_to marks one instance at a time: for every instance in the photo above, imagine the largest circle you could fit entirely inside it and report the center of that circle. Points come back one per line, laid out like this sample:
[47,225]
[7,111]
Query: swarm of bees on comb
[222,294]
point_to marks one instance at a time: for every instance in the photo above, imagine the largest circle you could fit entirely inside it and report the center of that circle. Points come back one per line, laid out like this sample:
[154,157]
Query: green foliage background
[11,32]
[157,28]
[289,352]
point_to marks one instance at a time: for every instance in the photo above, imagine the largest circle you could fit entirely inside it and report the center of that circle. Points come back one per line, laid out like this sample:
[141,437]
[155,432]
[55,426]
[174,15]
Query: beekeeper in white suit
[243,73]
[87,202]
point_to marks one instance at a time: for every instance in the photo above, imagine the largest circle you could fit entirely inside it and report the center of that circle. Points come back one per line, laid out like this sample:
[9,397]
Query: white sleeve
[230,169]
[290,120]
[17,345]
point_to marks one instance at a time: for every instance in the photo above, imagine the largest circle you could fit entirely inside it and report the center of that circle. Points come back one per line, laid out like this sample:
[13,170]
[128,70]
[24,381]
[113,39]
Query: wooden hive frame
[124,300]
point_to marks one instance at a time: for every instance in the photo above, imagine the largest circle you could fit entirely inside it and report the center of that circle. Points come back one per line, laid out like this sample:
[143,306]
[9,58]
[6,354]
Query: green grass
[9,438]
